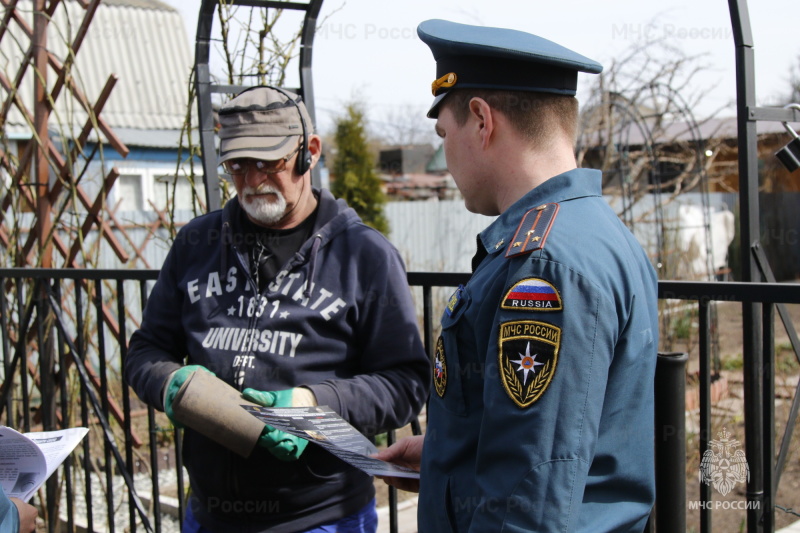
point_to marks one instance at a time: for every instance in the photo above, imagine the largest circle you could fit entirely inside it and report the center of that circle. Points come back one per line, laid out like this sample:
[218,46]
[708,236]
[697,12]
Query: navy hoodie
[338,319]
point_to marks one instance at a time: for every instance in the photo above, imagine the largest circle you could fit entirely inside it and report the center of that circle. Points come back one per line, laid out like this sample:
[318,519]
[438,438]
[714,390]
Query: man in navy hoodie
[284,291]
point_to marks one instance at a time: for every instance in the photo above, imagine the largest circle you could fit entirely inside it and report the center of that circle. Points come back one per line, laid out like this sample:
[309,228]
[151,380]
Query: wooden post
[41,114]
[44,226]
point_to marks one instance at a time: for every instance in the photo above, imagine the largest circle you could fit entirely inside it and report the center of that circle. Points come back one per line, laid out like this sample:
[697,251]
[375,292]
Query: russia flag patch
[532,294]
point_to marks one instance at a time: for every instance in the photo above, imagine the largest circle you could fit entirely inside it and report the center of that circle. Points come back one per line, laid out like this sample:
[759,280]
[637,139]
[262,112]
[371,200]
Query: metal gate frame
[205,88]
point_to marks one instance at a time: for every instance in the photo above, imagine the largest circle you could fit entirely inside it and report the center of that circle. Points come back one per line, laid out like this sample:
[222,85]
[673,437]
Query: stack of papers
[26,461]
[322,426]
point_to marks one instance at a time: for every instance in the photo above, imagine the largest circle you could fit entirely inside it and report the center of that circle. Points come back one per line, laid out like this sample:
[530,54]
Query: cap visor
[433,112]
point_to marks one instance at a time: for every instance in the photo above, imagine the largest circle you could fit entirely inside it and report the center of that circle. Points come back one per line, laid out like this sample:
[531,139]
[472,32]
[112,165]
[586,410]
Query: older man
[286,295]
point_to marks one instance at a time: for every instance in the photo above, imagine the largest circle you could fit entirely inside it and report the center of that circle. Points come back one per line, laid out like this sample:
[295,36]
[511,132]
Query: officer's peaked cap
[482,57]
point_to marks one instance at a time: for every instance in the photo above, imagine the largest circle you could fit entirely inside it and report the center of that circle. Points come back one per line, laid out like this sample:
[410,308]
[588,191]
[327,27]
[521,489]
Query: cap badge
[448,80]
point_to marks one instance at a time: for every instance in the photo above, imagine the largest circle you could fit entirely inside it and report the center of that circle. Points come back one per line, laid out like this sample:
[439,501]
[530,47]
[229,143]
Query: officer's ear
[483,115]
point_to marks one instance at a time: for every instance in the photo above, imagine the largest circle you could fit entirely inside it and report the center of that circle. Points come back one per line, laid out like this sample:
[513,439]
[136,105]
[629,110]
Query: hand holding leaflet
[322,426]
[406,452]
[26,461]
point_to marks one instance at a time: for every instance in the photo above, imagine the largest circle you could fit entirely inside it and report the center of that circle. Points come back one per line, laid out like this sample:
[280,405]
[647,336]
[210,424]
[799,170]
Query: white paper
[322,426]
[27,460]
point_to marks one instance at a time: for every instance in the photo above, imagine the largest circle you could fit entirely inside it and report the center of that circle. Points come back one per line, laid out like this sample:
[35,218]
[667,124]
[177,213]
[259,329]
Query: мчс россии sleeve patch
[527,356]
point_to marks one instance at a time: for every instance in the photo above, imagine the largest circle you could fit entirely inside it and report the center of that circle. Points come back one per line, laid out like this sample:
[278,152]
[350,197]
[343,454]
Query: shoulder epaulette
[532,231]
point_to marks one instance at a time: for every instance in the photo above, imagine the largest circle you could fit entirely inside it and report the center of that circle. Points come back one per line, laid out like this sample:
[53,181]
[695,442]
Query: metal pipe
[65,415]
[749,231]
[205,114]
[8,375]
[393,519]
[705,406]
[107,443]
[84,386]
[670,429]
[770,486]
[122,343]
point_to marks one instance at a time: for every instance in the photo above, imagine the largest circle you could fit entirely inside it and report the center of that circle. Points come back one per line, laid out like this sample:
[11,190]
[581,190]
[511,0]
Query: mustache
[264,188]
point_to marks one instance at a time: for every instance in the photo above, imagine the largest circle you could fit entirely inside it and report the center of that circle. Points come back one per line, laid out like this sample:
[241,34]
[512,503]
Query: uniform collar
[576,183]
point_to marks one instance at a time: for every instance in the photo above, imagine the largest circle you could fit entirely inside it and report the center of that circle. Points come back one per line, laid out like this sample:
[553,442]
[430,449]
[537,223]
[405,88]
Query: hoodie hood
[333,217]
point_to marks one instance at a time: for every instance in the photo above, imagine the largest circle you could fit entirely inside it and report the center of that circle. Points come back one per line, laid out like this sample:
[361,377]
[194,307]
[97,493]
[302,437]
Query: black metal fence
[64,338]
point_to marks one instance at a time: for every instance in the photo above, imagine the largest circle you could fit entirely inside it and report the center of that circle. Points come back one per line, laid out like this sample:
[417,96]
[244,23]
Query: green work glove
[177,379]
[282,445]
[281,398]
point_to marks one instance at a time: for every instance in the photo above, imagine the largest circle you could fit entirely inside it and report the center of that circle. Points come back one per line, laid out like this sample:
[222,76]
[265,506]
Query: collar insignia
[455,299]
[532,232]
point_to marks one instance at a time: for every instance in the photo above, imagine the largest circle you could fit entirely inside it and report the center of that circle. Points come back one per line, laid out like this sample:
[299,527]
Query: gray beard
[261,210]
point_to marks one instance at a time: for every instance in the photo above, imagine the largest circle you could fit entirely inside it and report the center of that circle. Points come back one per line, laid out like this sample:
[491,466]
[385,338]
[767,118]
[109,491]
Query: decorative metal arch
[628,125]
[638,121]
[205,88]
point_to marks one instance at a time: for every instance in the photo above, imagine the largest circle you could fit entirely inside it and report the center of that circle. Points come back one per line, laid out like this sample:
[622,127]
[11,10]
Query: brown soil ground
[728,412]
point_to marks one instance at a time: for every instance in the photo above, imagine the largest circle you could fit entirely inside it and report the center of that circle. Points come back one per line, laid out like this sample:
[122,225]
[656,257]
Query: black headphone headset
[304,160]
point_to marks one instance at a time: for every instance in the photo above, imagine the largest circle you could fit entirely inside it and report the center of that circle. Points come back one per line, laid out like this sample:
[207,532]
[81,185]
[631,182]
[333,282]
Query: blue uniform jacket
[542,414]
[9,516]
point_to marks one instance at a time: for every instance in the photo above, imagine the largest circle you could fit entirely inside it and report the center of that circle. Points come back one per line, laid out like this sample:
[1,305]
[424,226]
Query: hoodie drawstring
[312,264]
[227,238]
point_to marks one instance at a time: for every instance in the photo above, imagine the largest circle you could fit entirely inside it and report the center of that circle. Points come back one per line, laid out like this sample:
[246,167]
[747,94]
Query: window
[147,187]
[129,195]
[167,189]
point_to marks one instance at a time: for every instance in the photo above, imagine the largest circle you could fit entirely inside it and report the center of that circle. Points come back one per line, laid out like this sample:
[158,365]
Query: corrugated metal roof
[631,133]
[149,138]
[142,42]
[144,4]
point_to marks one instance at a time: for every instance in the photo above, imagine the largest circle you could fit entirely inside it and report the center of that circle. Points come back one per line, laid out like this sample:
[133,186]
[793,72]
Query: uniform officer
[542,415]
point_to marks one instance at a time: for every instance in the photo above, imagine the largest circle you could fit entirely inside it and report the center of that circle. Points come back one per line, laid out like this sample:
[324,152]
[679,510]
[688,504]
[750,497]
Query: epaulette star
[532,232]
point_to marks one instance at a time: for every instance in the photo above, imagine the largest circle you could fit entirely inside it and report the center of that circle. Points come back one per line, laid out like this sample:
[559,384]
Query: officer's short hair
[533,114]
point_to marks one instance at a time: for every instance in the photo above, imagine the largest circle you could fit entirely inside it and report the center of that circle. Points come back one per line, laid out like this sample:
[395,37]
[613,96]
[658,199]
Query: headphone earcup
[304,159]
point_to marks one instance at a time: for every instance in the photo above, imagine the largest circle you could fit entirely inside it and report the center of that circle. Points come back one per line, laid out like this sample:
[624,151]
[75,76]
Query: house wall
[147,181]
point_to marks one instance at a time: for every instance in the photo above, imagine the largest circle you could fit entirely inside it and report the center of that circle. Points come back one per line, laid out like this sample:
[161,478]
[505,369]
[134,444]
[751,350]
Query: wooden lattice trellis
[51,240]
